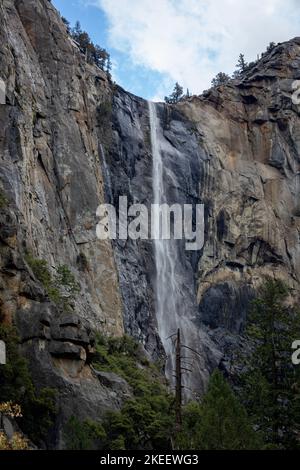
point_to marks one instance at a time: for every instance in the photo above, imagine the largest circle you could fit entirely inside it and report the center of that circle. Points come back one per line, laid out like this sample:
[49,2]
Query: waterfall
[175,291]
[169,299]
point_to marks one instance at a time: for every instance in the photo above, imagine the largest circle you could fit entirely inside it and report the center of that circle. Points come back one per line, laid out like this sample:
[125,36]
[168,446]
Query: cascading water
[174,307]
[165,285]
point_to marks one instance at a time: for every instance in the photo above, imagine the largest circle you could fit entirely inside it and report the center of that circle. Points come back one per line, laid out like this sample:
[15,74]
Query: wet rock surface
[70,140]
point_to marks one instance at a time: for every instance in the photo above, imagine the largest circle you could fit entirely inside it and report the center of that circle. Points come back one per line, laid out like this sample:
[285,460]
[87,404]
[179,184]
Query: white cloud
[192,40]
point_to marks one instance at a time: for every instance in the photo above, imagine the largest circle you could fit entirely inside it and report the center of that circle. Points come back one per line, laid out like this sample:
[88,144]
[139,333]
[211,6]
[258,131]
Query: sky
[154,43]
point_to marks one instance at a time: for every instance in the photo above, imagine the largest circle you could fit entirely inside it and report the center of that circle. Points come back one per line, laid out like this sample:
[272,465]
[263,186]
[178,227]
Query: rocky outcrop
[59,346]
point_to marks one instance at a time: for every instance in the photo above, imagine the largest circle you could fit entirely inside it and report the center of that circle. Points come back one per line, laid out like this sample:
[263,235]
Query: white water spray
[170,309]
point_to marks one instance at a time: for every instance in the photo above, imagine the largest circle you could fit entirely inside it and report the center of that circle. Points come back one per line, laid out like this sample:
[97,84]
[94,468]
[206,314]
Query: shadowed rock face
[51,176]
[70,140]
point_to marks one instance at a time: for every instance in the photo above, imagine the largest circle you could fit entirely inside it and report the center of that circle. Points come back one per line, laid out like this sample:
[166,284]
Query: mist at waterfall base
[175,292]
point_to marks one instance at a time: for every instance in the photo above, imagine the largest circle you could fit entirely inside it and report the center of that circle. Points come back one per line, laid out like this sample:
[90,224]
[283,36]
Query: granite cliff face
[70,140]
[235,149]
[50,141]
[250,130]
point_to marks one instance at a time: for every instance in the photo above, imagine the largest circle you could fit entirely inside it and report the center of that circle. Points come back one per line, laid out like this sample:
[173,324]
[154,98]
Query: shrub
[220,79]
[3,200]
[64,278]
[17,442]
[86,435]
[59,288]
[145,421]
[16,386]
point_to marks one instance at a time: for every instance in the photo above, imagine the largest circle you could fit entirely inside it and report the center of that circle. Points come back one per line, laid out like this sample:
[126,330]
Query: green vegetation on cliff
[16,386]
[147,419]
[264,413]
[61,288]
[3,200]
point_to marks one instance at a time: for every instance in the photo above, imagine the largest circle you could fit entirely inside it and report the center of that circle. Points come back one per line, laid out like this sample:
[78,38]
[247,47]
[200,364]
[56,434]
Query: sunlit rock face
[250,131]
[70,140]
[236,150]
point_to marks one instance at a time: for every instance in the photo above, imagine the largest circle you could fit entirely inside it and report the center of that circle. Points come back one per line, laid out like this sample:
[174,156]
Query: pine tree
[76,31]
[271,384]
[242,64]
[220,79]
[93,52]
[108,65]
[219,422]
[84,41]
[66,23]
[176,96]
[271,46]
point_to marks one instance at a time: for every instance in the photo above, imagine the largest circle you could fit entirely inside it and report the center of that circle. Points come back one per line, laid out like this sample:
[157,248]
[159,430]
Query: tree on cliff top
[94,53]
[176,96]
[220,79]
[242,64]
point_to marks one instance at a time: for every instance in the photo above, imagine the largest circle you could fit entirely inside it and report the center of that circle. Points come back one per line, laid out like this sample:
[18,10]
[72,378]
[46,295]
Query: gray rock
[235,149]
[8,426]
[67,350]
[114,382]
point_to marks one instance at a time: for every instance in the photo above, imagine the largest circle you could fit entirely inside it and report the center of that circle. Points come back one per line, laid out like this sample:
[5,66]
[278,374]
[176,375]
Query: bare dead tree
[180,362]
[178,392]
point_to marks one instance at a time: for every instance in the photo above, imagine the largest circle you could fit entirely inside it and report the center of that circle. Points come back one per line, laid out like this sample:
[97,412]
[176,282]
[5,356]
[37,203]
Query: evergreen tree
[242,64]
[76,31]
[219,422]
[176,96]
[108,64]
[93,52]
[271,383]
[220,79]
[100,56]
[84,41]
[271,46]
[66,23]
